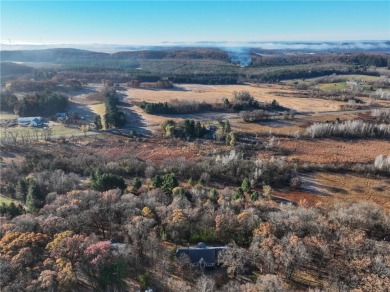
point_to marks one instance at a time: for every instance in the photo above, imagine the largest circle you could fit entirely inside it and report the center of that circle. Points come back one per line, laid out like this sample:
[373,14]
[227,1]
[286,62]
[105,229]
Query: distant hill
[68,55]
[50,55]
[185,53]
[10,68]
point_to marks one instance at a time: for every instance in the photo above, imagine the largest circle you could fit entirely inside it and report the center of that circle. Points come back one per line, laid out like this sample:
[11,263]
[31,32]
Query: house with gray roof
[30,121]
[202,254]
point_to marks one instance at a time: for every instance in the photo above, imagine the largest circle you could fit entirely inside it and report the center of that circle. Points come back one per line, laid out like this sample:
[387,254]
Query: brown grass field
[329,188]
[335,151]
[214,93]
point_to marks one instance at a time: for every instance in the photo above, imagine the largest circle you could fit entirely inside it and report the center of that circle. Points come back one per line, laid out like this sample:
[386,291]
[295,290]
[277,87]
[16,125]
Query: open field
[154,149]
[348,187]
[333,86]
[346,77]
[6,200]
[329,188]
[215,93]
[335,151]
[7,116]
[56,129]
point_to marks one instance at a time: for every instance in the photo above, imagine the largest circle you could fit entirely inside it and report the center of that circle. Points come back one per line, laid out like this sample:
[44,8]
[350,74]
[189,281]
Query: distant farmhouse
[203,255]
[30,121]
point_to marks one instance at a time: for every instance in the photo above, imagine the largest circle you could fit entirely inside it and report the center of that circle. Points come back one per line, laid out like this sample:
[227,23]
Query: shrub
[267,191]
[254,196]
[144,279]
[295,182]
[179,192]
[157,182]
[246,185]
[381,115]
[136,184]
[382,163]
[348,129]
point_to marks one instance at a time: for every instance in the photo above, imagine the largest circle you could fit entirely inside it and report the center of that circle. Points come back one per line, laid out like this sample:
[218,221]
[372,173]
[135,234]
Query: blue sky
[144,22]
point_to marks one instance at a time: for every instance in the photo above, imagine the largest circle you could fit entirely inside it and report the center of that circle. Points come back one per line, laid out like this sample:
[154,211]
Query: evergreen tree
[239,194]
[157,182]
[213,195]
[98,122]
[254,196]
[246,185]
[106,181]
[21,189]
[136,184]
[169,182]
[227,127]
[34,197]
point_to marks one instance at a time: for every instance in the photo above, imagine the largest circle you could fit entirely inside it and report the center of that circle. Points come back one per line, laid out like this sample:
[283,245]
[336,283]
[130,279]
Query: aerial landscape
[195,146]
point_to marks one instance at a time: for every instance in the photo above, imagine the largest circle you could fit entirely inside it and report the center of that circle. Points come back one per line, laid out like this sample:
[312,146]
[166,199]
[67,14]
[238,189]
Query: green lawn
[333,86]
[6,200]
[57,129]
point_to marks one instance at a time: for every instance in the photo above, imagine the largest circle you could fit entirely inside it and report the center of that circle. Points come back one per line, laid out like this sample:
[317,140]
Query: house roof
[30,119]
[201,251]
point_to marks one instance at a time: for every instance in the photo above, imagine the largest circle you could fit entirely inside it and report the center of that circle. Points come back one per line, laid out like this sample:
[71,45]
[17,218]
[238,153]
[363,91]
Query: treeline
[43,103]
[294,72]
[242,100]
[175,106]
[381,115]
[188,129]
[10,68]
[217,78]
[87,75]
[113,117]
[348,129]
[100,65]
[261,115]
[381,94]
[366,60]
[188,53]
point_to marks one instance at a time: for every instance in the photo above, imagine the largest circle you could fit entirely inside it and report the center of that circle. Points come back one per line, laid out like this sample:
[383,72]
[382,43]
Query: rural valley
[195,146]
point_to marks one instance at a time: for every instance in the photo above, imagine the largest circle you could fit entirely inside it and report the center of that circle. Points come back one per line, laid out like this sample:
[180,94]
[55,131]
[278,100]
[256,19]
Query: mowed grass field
[56,129]
[333,86]
[215,93]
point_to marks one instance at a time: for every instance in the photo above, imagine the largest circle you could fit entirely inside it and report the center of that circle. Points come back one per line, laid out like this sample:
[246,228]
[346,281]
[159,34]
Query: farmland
[214,93]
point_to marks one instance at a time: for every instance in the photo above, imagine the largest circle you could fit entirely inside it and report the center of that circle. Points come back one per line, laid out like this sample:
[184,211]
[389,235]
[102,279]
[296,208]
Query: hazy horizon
[162,22]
